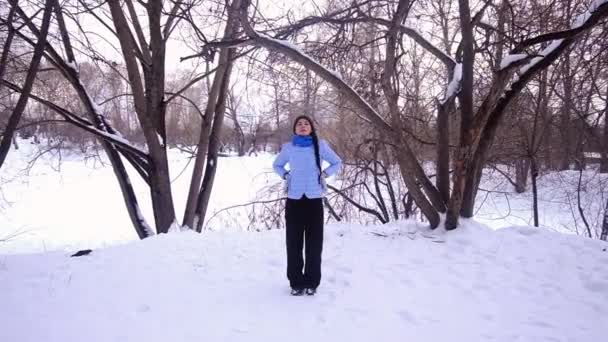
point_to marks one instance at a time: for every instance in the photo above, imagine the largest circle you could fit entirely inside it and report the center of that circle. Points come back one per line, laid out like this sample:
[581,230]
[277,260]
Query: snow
[454,84]
[544,53]
[96,109]
[379,283]
[583,17]
[332,72]
[116,137]
[578,22]
[419,36]
[176,227]
[161,141]
[119,138]
[78,205]
[498,206]
[72,65]
[486,23]
[510,59]
[298,50]
[384,283]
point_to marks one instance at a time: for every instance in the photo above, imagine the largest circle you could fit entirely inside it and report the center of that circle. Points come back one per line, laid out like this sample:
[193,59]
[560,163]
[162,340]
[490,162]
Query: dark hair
[315,139]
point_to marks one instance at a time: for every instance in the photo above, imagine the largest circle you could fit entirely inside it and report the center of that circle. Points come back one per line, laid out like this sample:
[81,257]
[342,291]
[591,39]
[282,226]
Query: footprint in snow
[407,282]
[321,318]
[487,317]
[597,286]
[275,263]
[344,269]
[407,316]
[541,324]
[141,308]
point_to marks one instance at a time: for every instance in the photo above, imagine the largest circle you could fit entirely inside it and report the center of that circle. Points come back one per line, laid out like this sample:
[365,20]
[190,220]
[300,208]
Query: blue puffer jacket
[303,175]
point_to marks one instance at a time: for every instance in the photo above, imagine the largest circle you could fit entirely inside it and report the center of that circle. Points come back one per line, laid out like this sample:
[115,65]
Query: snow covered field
[382,283]
[70,205]
[514,284]
[74,206]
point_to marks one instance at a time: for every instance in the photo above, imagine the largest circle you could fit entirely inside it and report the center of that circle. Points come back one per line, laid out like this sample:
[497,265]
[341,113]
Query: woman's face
[303,127]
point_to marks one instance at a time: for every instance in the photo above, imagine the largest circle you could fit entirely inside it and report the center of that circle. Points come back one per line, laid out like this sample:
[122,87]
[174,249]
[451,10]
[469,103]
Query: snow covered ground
[379,284]
[386,283]
[70,205]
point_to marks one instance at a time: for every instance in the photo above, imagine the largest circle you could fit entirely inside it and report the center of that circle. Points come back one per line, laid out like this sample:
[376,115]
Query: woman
[305,182]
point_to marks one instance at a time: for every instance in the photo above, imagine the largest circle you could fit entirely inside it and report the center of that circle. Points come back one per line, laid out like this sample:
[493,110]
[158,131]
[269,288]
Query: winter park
[318,170]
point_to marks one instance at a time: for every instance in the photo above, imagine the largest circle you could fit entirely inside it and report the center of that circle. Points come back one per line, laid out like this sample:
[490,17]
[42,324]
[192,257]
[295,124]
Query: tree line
[434,90]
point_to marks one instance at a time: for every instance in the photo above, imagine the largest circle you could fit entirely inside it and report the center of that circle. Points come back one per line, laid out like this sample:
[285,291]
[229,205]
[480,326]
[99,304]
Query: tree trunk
[604,145]
[238,130]
[214,139]
[565,129]
[522,167]
[203,144]
[191,218]
[461,164]
[475,170]
[160,192]
[578,151]
[443,149]
[240,143]
[406,169]
[156,136]
[604,233]
[15,142]
[443,116]
[464,152]
[534,172]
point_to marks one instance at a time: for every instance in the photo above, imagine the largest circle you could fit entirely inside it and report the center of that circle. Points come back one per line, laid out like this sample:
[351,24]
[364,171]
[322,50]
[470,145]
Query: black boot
[296,291]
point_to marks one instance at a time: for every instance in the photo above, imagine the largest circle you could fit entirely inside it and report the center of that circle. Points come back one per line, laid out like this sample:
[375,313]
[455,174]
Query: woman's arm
[331,157]
[279,162]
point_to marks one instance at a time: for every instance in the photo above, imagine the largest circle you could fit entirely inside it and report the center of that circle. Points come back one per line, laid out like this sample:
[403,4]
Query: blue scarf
[302,140]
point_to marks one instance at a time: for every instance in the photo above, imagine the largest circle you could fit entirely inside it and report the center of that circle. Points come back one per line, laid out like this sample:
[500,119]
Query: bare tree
[13,122]
[144,57]
[441,94]
[478,123]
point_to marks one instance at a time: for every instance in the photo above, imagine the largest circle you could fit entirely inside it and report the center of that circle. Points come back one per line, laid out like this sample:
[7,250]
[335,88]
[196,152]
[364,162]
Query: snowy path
[516,284]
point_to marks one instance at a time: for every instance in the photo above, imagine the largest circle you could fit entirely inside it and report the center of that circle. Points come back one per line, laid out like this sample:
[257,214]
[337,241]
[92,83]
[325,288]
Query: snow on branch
[595,12]
[72,65]
[454,84]
[584,17]
[546,51]
[418,38]
[598,11]
[298,50]
[161,141]
[328,75]
[112,138]
[511,59]
[409,31]
[83,123]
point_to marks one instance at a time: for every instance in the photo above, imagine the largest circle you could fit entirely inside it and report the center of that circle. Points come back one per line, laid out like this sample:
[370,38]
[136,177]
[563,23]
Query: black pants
[304,221]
